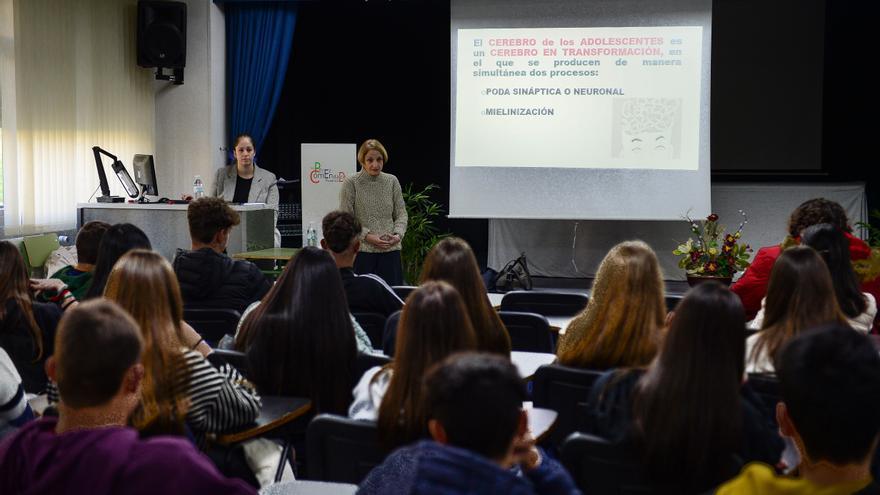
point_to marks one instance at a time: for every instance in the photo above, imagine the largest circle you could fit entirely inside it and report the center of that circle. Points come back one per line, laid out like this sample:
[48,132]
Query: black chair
[374,325]
[403,291]
[529,332]
[342,450]
[236,359]
[366,361]
[564,390]
[766,386]
[389,336]
[672,301]
[599,466]
[212,323]
[544,302]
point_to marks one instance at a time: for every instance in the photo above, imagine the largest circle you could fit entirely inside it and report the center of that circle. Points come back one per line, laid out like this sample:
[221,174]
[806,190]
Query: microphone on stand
[282,182]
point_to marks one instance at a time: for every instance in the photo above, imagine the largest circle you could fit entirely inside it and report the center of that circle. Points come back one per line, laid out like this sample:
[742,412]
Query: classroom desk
[559,323]
[541,421]
[495,300]
[275,254]
[529,362]
[276,412]
[278,256]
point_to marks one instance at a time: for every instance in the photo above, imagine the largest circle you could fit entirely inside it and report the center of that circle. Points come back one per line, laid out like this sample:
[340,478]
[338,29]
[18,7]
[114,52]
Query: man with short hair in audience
[479,431]
[208,277]
[88,448]
[78,277]
[366,293]
[830,408]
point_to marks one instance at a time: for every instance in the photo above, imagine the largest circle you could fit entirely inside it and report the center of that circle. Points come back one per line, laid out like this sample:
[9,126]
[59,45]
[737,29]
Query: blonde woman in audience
[452,260]
[433,325]
[179,383]
[800,296]
[622,324]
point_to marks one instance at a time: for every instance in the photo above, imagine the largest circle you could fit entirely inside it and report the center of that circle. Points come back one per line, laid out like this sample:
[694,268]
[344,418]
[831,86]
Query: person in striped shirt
[180,385]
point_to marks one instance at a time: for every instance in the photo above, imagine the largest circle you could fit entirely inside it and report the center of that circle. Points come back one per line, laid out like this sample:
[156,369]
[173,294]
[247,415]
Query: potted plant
[712,254]
[421,231]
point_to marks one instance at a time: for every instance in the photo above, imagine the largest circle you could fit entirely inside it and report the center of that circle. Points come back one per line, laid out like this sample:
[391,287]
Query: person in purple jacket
[481,442]
[88,448]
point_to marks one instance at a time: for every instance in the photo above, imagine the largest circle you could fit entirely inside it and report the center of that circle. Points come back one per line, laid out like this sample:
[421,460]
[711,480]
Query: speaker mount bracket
[176,75]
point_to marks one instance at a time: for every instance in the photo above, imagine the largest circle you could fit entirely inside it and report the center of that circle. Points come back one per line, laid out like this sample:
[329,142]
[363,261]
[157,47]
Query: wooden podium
[167,227]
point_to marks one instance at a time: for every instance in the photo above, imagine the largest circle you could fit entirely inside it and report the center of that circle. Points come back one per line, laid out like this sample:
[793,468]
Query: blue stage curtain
[258,45]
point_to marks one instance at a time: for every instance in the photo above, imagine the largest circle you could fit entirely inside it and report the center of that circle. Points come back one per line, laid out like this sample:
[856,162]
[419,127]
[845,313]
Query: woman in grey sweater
[376,199]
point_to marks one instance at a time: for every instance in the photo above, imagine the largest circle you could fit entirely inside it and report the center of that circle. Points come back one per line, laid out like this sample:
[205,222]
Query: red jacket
[752,286]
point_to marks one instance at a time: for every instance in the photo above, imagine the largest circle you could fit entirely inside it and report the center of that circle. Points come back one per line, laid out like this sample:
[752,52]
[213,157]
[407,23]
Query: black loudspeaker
[161,34]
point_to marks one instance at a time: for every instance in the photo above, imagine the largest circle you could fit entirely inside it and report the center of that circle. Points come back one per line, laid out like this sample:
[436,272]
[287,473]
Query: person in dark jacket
[366,293]
[479,432]
[688,416]
[27,327]
[208,277]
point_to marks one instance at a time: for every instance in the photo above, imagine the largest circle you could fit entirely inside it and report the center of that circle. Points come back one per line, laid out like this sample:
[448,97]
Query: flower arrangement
[712,252]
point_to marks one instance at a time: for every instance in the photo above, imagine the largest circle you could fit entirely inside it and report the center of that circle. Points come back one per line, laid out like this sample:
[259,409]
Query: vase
[693,280]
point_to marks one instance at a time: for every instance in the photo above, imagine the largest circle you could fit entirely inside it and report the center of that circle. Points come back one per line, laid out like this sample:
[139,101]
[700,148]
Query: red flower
[730,240]
[726,248]
[711,267]
[713,217]
[695,255]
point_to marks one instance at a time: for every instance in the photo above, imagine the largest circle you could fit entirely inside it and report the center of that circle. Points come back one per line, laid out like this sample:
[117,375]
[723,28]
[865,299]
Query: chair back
[389,336]
[403,291]
[212,323]
[236,359]
[529,332]
[364,362]
[545,303]
[672,301]
[599,466]
[766,386]
[565,390]
[342,450]
[36,250]
[374,325]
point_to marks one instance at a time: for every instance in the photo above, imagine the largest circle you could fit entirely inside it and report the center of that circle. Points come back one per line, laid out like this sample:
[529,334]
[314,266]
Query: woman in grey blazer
[244,182]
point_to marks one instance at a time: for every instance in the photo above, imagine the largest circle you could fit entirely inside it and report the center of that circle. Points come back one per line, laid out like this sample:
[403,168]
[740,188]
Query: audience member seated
[78,278]
[209,278]
[116,241]
[27,327]
[479,431]
[299,340]
[800,296]
[830,384]
[688,416]
[14,408]
[859,307]
[621,325]
[366,293]
[452,260]
[752,286]
[433,325]
[180,384]
[88,448]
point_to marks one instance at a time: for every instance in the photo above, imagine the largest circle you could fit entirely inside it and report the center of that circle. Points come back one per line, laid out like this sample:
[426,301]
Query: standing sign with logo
[324,169]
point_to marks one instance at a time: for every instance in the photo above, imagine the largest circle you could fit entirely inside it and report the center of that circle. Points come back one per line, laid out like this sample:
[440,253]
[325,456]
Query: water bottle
[198,187]
[312,235]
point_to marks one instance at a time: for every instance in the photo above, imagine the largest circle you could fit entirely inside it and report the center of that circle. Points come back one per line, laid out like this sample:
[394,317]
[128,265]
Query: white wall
[191,118]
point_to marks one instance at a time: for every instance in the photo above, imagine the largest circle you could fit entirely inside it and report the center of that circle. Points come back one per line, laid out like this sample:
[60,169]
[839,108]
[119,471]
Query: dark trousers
[386,265]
